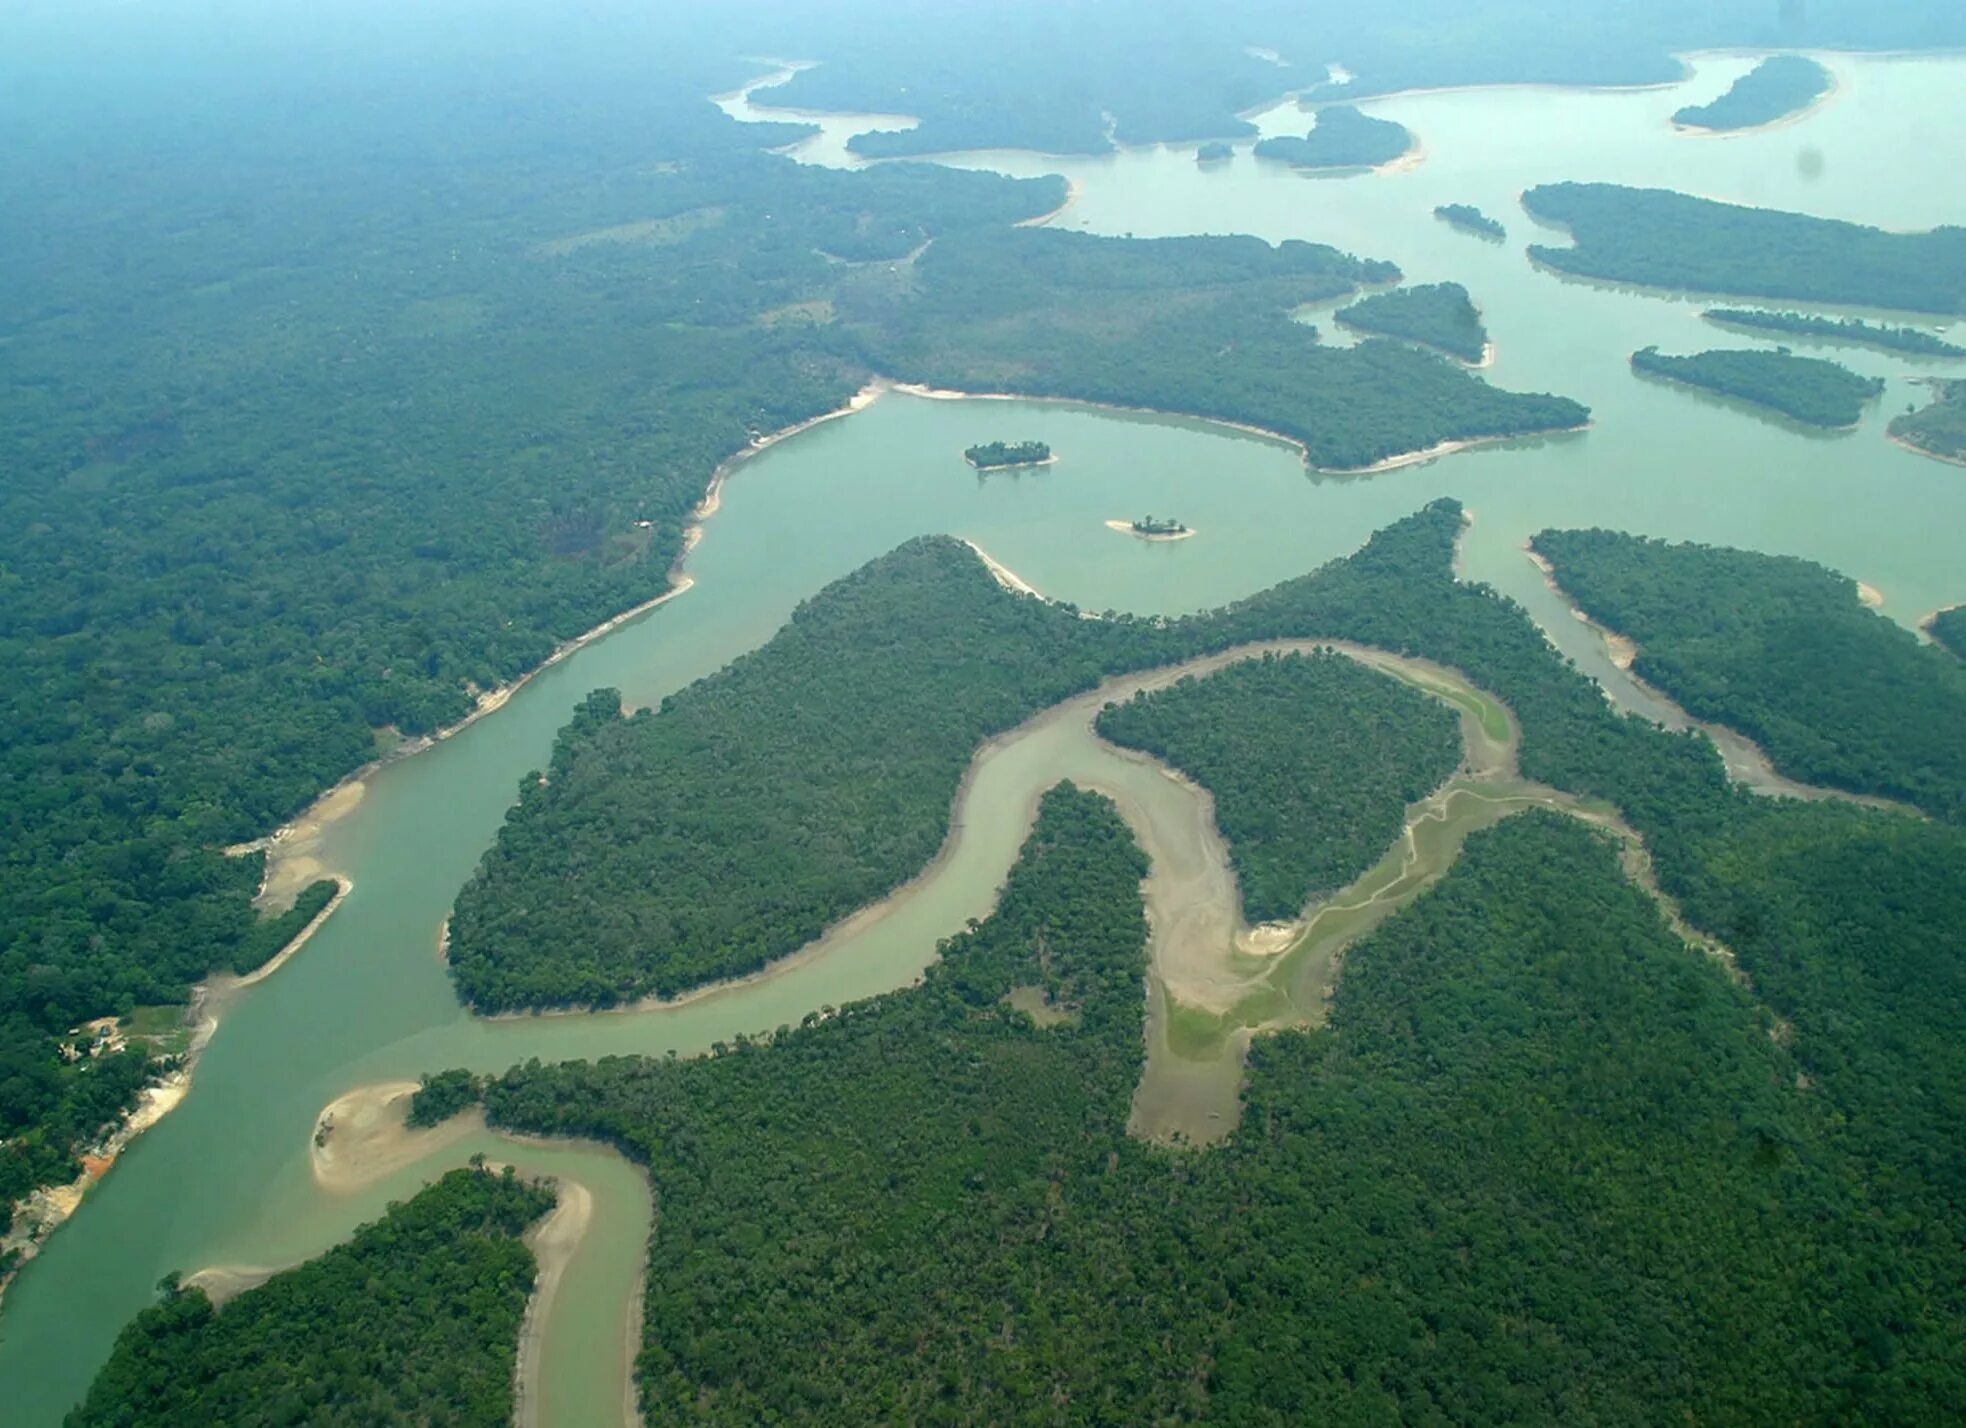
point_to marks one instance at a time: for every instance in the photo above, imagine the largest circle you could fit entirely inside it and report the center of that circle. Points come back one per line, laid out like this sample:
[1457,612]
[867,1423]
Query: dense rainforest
[397,425]
[1809,389]
[1342,138]
[1312,761]
[1781,650]
[1939,427]
[1438,315]
[1779,86]
[1538,1132]
[1843,330]
[1469,219]
[1197,325]
[413,1321]
[1672,240]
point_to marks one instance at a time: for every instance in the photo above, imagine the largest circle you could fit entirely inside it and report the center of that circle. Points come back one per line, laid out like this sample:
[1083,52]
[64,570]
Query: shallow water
[226,1178]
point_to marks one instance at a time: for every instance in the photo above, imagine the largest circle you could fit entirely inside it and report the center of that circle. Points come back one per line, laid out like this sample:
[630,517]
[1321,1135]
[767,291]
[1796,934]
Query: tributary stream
[228,1179]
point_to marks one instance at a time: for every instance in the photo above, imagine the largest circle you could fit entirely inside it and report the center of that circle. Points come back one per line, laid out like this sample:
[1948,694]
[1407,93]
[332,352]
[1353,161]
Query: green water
[226,1178]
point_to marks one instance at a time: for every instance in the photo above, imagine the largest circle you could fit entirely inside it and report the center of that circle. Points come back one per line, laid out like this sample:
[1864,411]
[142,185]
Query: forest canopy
[1438,315]
[1846,330]
[1469,219]
[1809,389]
[415,1320]
[1671,240]
[1342,138]
[1779,86]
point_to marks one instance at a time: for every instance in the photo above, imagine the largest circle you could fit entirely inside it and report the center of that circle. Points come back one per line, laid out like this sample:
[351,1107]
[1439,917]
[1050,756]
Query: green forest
[1312,761]
[1469,219]
[1846,330]
[1948,627]
[996,455]
[1199,325]
[1779,86]
[1552,1164]
[303,494]
[1342,138]
[1939,427]
[413,1321]
[1671,240]
[1439,315]
[1781,650]
[1808,389]
[1214,152]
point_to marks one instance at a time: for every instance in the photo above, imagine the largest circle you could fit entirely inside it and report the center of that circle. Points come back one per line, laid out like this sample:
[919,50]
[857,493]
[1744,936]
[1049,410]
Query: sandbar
[1128,528]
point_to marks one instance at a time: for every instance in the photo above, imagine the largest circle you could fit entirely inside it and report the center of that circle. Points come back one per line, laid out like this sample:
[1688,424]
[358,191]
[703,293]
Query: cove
[227,1178]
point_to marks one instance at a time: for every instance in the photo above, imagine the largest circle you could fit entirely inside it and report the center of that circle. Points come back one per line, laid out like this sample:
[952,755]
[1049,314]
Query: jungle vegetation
[995,455]
[1809,389]
[1312,761]
[1469,219]
[1781,650]
[1342,138]
[1938,428]
[1671,240]
[1439,315]
[1417,1161]
[1779,86]
[415,1320]
[1850,330]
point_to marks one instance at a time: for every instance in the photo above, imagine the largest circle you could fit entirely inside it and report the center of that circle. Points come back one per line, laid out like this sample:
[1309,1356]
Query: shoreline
[1390,463]
[1074,190]
[982,470]
[1915,449]
[1837,89]
[1489,351]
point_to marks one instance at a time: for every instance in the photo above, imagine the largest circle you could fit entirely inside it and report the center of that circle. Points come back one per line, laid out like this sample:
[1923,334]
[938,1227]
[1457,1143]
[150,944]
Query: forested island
[1948,627]
[1438,315]
[1518,1033]
[1848,330]
[1781,650]
[1937,429]
[1469,219]
[1671,240]
[1809,389]
[414,1320]
[1215,153]
[1312,761]
[1342,138]
[1002,455]
[1157,527]
[1775,89]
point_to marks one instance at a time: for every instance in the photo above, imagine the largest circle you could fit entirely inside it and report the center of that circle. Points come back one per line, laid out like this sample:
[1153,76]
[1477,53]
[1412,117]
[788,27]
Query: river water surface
[227,1178]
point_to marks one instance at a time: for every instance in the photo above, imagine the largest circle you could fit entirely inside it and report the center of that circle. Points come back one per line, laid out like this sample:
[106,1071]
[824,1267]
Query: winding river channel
[233,1178]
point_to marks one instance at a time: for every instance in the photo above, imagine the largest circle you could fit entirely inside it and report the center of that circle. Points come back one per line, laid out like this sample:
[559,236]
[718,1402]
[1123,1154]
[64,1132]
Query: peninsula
[1938,429]
[1848,330]
[1780,87]
[1808,389]
[1437,315]
[1342,138]
[1005,455]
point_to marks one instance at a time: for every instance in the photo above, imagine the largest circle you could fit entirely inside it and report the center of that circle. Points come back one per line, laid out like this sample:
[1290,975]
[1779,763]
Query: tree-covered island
[1847,330]
[1002,455]
[1342,138]
[1663,239]
[1215,152]
[1778,87]
[1153,528]
[1437,315]
[1469,219]
[1937,429]
[1808,389]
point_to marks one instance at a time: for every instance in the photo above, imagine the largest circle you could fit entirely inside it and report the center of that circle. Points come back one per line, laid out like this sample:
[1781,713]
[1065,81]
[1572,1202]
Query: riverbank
[1925,451]
[1074,190]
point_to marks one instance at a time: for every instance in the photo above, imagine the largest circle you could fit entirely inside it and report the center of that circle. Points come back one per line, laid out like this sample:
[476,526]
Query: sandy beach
[1073,190]
[1838,87]
[1872,597]
[364,1136]
[1126,528]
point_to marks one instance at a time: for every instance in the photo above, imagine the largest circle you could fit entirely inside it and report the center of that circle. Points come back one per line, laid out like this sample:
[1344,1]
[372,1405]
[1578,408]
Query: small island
[1808,389]
[1437,315]
[1948,628]
[1835,329]
[1469,219]
[1343,138]
[1152,528]
[1778,88]
[1217,152]
[1939,429]
[1005,455]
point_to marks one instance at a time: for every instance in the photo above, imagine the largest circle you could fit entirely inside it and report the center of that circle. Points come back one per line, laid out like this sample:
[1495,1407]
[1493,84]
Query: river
[227,1178]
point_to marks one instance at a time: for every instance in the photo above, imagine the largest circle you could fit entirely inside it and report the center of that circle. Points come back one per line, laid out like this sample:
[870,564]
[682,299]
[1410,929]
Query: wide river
[227,1178]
